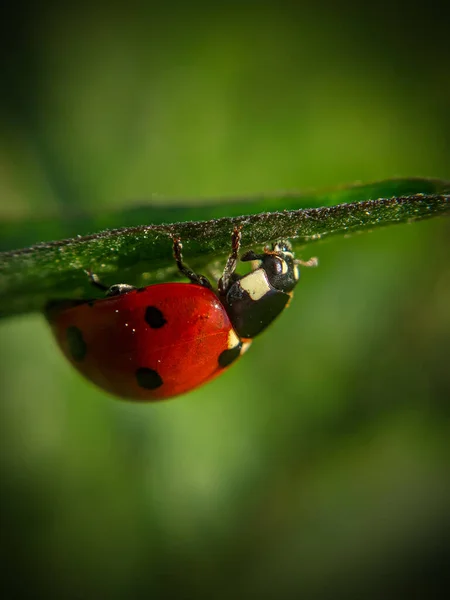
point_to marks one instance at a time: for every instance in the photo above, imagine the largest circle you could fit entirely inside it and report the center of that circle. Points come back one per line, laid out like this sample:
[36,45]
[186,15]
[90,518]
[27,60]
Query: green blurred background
[317,467]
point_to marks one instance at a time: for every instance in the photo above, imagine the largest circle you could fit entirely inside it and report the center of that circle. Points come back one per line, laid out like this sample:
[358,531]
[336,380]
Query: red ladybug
[166,339]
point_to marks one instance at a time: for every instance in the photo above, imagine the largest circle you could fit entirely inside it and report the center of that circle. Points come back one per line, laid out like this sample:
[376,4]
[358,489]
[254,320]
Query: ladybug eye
[282,246]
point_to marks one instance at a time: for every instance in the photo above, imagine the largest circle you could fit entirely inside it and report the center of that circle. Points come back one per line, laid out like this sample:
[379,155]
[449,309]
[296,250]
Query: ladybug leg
[184,269]
[115,290]
[95,281]
[251,255]
[230,266]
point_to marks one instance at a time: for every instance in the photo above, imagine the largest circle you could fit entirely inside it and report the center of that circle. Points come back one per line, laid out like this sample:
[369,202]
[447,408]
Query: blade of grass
[30,277]
[18,233]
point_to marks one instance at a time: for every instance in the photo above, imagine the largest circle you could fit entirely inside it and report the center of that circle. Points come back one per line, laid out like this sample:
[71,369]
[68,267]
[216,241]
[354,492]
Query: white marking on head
[284,267]
[296,273]
[233,340]
[255,284]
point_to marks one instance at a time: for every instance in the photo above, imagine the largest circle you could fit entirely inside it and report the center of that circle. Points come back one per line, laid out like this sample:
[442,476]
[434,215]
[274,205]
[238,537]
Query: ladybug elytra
[166,339]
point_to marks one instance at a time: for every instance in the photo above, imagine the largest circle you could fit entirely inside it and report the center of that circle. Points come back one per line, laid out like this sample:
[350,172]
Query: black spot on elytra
[154,317]
[76,343]
[148,378]
[228,356]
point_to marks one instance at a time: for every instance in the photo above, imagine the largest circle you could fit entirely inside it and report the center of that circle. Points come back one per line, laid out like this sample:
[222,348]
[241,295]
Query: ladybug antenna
[312,262]
[184,269]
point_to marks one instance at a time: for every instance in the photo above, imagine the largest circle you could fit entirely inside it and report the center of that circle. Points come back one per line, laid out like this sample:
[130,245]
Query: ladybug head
[279,264]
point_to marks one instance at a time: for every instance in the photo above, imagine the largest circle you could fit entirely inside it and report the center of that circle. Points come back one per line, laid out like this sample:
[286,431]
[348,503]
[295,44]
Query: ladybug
[166,339]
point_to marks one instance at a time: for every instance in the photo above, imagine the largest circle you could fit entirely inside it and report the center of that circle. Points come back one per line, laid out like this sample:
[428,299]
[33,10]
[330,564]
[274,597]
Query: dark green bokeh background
[318,465]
